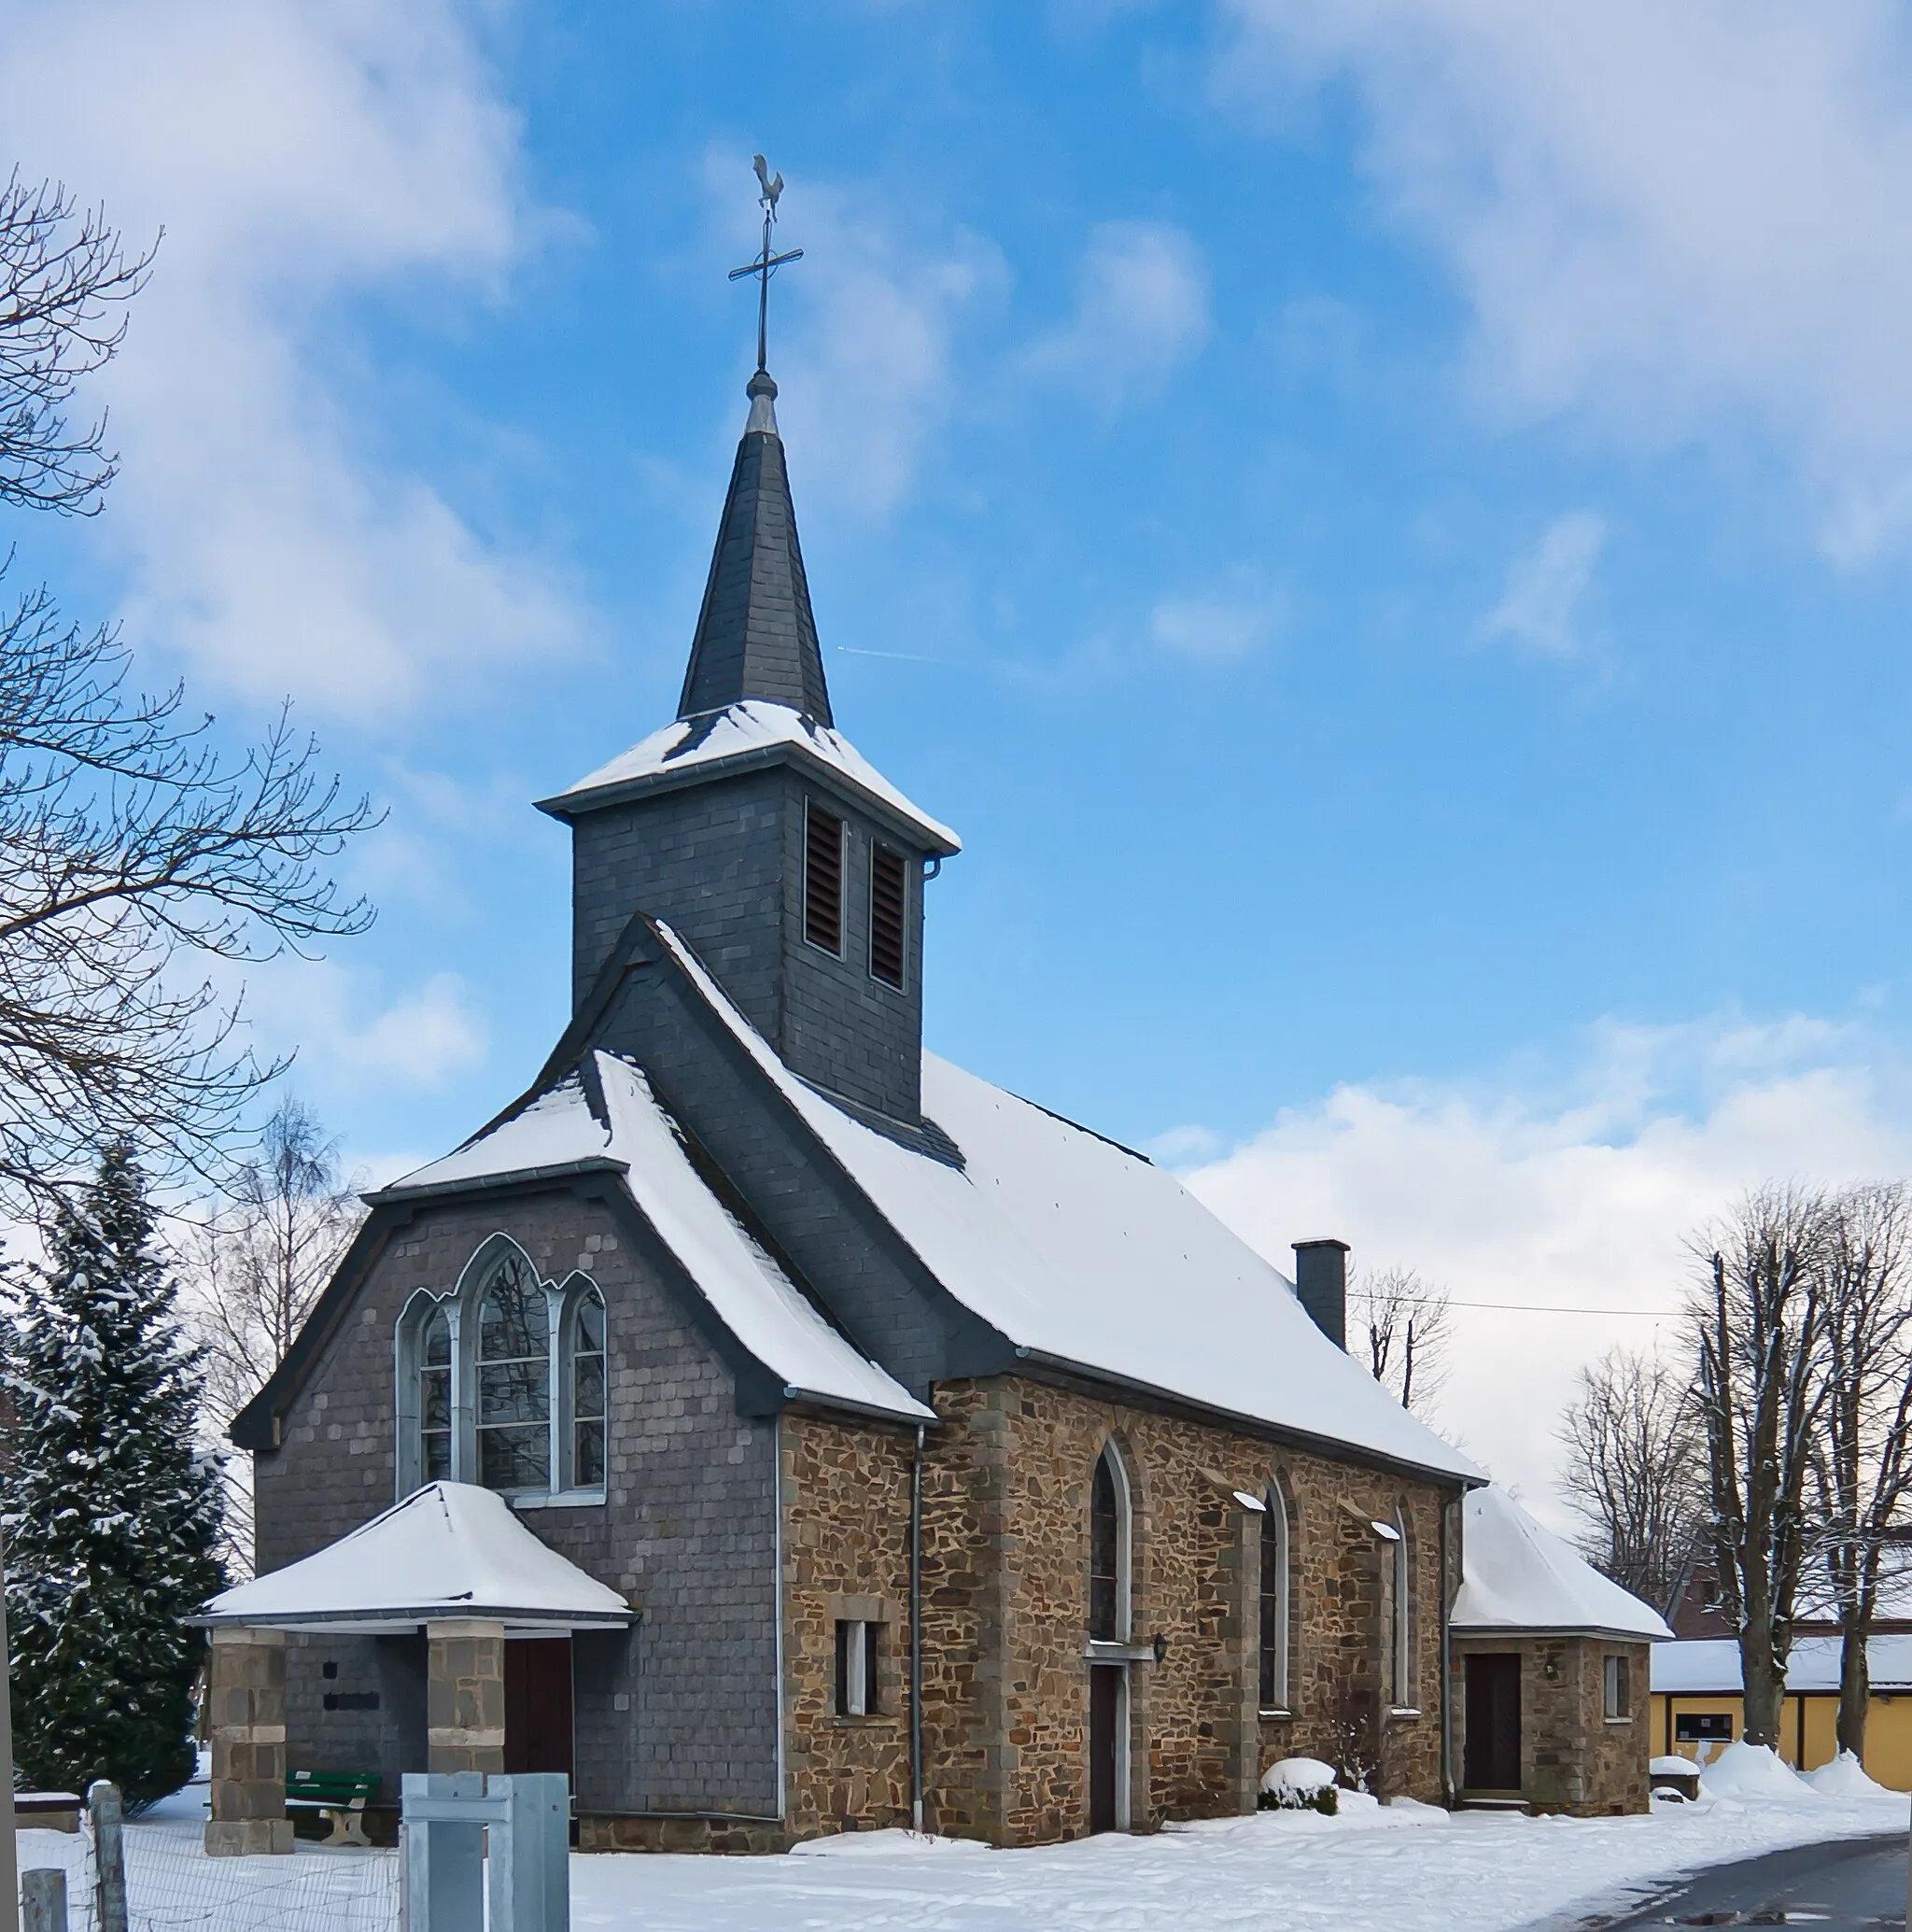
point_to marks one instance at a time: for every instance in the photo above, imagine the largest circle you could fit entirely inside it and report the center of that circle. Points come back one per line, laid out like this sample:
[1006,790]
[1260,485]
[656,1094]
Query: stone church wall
[1006,1563]
[681,1714]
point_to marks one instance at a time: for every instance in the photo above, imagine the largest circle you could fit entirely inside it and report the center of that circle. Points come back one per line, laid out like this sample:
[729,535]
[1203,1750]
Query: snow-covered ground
[1395,1869]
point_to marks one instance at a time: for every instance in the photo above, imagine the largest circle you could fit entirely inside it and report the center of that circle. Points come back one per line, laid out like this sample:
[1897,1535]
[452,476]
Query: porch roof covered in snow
[448,1550]
[1519,1577]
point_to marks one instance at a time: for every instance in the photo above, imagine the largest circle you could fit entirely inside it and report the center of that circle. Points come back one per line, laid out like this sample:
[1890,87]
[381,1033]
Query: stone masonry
[1006,1560]
[247,1699]
[464,1708]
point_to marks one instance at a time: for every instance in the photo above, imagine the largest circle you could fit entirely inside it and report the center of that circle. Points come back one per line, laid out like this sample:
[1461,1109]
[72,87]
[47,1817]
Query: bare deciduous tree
[1760,1322]
[1863,1468]
[256,1266]
[1404,1324]
[128,843]
[65,279]
[1636,1472]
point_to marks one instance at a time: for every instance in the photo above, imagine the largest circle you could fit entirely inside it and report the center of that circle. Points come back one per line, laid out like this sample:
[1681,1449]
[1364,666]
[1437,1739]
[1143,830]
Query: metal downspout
[915,1635]
[776,1557]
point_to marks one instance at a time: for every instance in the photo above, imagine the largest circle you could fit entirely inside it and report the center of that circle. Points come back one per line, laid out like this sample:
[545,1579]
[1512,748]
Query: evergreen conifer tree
[114,1508]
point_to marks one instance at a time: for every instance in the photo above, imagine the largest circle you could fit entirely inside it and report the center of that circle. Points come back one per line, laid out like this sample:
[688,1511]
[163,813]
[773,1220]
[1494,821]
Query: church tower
[755,829]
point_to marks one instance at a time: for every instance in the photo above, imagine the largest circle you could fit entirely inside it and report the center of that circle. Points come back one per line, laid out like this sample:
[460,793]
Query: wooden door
[1491,1759]
[1105,1718]
[538,1704]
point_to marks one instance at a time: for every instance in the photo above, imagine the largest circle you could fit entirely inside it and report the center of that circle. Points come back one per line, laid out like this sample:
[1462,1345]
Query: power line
[1564,1308]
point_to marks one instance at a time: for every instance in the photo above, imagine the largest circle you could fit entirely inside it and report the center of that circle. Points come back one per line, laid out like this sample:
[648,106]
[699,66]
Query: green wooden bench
[339,1796]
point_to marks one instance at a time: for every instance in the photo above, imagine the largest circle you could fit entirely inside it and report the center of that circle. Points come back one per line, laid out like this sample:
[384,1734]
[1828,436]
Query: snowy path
[1404,1868]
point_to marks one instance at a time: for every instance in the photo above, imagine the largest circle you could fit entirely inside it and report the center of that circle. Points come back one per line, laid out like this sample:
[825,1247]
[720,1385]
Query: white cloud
[349,1045]
[1215,629]
[1141,311]
[862,332]
[1580,1200]
[299,158]
[1679,220]
[1540,605]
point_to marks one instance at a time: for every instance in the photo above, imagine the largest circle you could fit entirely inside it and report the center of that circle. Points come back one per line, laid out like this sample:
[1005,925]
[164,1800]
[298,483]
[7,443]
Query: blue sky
[1384,523]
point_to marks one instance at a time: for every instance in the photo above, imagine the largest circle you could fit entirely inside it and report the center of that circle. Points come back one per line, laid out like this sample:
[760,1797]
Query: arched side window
[435,1397]
[1277,1576]
[1400,1634]
[513,1380]
[1109,1542]
[584,1372]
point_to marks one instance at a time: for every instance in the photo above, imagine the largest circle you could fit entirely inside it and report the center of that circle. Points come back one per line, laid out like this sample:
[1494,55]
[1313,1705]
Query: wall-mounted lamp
[1161,1648]
[1550,1671]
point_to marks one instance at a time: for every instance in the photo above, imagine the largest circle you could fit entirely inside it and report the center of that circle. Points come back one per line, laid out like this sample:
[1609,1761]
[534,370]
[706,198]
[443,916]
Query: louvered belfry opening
[823,879]
[888,885]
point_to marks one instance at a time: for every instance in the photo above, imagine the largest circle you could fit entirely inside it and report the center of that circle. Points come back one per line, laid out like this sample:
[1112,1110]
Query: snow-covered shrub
[1300,1784]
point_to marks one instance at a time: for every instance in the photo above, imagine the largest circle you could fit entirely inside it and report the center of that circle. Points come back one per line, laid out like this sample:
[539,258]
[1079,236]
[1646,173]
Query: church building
[783,1431]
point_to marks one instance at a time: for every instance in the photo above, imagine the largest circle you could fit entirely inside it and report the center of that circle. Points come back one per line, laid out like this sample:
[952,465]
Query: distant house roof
[743,736]
[448,1550]
[627,1131]
[1516,1575]
[1709,1666]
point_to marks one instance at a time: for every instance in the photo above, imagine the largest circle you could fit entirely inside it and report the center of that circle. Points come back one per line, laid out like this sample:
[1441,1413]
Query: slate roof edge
[503,1178]
[924,832]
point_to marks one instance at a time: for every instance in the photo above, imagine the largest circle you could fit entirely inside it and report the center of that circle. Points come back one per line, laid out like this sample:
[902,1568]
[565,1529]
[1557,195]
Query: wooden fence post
[109,1854]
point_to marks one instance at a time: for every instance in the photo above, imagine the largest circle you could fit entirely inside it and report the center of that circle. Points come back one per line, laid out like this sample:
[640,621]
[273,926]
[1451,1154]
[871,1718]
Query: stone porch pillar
[245,1691]
[464,1695]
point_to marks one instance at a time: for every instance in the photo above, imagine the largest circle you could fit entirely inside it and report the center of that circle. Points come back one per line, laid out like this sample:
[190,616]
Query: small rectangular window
[823,879]
[888,889]
[856,1668]
[1618,1689]
[1703,1727]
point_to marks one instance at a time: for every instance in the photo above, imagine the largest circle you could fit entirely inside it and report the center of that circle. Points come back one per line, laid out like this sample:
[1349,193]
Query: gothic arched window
[584,1452]
[435,1397]
[1400,1634]
[1108,1550]
[513,1377]
[1275,1575]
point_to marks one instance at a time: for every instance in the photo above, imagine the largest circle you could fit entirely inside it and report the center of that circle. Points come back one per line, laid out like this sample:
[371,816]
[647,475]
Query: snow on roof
[448,1550]
[752,727]
[1078,1249]
[1517,1576]
[750,1293]
[1709,1666]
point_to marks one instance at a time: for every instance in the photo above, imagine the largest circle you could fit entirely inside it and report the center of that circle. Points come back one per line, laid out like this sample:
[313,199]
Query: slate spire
[755,635]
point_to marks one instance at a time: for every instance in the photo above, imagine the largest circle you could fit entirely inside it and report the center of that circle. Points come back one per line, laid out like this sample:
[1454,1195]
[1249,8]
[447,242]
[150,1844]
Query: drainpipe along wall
[915,1635]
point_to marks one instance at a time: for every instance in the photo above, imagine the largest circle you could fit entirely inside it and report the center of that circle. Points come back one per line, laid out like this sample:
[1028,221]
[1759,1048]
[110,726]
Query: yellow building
[1696,1709]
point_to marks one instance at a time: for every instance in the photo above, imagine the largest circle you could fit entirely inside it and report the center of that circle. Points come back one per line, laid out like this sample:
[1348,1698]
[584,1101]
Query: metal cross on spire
[767,264]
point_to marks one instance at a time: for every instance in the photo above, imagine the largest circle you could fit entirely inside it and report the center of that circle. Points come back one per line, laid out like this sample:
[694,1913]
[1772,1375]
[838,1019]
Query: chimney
[1321,1280]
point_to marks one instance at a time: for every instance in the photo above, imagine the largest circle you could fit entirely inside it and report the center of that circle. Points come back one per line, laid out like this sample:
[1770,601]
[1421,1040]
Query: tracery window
[502,1381]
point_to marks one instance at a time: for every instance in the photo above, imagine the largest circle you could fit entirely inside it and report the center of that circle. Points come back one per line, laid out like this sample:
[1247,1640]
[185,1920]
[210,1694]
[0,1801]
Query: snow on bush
[1845,1777]
[1298,1784]
[1751,1770]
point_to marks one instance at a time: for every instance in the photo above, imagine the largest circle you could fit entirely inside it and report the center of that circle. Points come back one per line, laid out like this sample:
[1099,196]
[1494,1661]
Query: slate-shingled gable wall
[722,865]
[680,1715]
